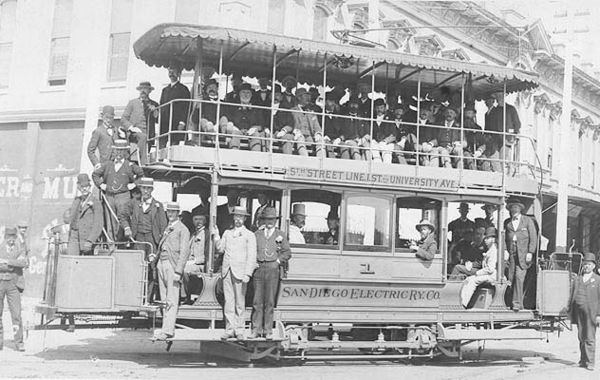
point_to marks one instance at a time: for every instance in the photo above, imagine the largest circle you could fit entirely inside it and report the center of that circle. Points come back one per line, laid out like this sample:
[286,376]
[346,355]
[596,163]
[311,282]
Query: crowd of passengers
[349,122]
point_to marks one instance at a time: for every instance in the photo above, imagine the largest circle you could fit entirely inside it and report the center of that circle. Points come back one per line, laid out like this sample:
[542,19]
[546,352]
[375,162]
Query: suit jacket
[176,243]
[386,129]
[180,109]
[526,239]
[116,181]
[494,122]
[239,252]
[131,216]
[427,248]
[269,249]
[593,295]
[135,115]
[334,125]
[17,261]
[102,140]
[87,217]
[306,122]
[199,246]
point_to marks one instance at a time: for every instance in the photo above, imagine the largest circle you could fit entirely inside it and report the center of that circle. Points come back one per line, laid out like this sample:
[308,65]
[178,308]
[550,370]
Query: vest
[145,222]
[580,297]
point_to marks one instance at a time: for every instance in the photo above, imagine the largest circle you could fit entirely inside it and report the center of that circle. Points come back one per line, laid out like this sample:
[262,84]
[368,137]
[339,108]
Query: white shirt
[449,124]
[269,232]
[379,119]
[296,236]
[587,276]
[146,204]
[118,165]
[515,223]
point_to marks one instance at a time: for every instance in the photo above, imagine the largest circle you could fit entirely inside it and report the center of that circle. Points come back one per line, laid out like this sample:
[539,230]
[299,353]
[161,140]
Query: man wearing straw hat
[521,244]
[426,248]
[238,245]
[115,178]
[585,310]
[272,253]
[85,219]
[139,118]
[173,253]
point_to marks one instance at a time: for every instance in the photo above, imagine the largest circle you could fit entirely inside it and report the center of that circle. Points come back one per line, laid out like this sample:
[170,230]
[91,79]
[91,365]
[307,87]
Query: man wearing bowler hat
[238,246]
[585,310]
[115,178]
[145,221]
[139,118]
[297,223]
[12,258]
[521,244]
[176,113]
[332,236]
[103,138]
[173,253]
[426,248]
[85,219]
[272,253]
[462,226]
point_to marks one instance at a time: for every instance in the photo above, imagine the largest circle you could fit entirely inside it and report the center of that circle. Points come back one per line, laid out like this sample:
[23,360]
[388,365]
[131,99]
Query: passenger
[85,219]
[500,149]
[585,310]
[426,248]
[469,254]
[262,96]
[177,112]
[332,236]
[115,178]
[263,203]
[489,210]
[461,226]
[487,273]
[427,136]
[307,130]
[475,137]
[364,107]
[298,219]
[406,139]
[245,121]
[103,138]
[353,130]
[288,83]
[385,132]
[225,211]
[145,222]
[283,125]
[198,257]
[273,251]
[173,253]
[139,118]
[238,245]
[204,116]
[334,126]
[13,260]
[315,99]
[236,84]
[450,143]
[521,243]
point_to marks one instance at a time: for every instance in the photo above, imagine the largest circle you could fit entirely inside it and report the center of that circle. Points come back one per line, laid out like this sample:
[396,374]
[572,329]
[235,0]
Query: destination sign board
[373,179]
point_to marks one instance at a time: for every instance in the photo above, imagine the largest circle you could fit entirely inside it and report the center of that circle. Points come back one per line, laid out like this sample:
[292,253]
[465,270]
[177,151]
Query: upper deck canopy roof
[251,53]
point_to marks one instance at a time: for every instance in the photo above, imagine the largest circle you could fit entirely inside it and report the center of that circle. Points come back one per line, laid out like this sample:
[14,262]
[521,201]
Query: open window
[368,223]
[410,212]
[314,218]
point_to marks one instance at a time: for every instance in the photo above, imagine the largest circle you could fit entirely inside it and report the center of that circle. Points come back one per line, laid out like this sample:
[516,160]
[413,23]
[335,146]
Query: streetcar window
[410,212]
[367,223]
[314,218]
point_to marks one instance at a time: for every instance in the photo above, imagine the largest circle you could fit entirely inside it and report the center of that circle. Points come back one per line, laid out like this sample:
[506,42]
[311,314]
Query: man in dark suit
[175,90]
[273,251]
[103,138]
[585,310]
[495,120]
[145,222]
[521,244]
[85,219]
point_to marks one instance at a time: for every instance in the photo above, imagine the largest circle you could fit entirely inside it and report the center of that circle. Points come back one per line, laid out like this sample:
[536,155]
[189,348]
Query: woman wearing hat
[426,248]
[487,273]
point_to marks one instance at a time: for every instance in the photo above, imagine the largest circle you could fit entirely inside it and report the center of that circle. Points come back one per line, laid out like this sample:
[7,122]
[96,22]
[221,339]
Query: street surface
[119,354]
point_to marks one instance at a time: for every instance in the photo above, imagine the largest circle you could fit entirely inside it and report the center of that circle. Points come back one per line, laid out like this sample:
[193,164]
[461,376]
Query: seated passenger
[262,96]
[406,139]
[288,99]
[475,138]
[204,116]
[198,257]
[487,273]
[469,254]
[333,127]
[283,126]
[298,219]
[332,236]
[352,131]
[307,130]
[426,248]
[236,83]
[364,107]
[450,142]
[384,132]
[427,136]
[245,121]
[315,98]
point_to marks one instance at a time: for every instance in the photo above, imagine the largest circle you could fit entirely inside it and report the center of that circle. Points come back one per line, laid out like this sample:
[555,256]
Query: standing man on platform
[263,202]
[585,310]
[177,112]
[139,119]
[521,244]
[238,245]
[12,258]
[85,219]
[173,252]
[145,222]
[103,138]
[198,254]
[273,251]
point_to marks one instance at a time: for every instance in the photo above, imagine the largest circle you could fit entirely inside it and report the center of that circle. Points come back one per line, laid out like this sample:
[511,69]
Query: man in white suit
[239,261]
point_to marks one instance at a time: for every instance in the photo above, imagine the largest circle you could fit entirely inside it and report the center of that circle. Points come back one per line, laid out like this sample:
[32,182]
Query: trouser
[586,333]
[170,291]
[349,150]
[76,242]
[460,270]
[9,290]
[118,203]
[152,292]
[516,276]
[495,153]
[469,286]
[191,284]
[176,137]
[235,303]
[307,143]
[255,144]
[140,139]
[287,145]
[382,151]
[266,279]
[454,157]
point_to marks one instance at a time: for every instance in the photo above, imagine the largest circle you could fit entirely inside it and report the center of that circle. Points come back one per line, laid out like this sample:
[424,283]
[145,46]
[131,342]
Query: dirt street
[129,354]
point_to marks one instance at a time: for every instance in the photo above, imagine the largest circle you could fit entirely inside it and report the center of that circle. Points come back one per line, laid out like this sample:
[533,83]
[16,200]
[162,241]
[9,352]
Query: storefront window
[368,223]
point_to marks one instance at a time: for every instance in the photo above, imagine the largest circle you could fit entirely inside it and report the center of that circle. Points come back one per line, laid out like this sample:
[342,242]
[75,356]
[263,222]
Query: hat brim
[418,226]
[121,147]
[240,213]
[138,88]
[270,217]
[521,205]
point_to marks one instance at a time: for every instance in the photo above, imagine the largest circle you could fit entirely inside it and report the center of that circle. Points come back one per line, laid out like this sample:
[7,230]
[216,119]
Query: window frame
[441,228]
[367,249]
[117,29]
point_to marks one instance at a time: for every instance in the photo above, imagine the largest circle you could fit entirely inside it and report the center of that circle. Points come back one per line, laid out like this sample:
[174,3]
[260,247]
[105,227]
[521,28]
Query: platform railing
[505,158]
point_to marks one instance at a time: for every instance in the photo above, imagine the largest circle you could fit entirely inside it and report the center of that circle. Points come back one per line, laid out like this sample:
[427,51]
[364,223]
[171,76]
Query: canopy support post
[371,120]
[197,91]
[273,76]
[218,121]
[419,145]
[462,129]
[323,153]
